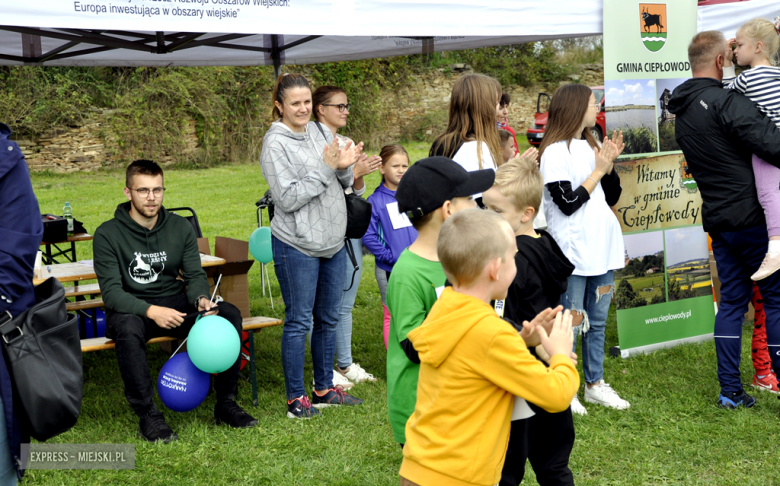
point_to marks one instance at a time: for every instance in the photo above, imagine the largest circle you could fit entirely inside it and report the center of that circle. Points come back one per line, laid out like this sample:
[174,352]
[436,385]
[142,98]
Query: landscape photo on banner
[664,294]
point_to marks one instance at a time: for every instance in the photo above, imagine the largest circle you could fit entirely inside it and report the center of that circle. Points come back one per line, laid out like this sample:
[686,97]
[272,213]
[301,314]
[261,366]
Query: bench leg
[94,322]
[252,372]
[47,256]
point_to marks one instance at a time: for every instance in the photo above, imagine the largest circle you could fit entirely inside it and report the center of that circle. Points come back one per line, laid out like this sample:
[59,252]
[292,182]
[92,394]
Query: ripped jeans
[584,295]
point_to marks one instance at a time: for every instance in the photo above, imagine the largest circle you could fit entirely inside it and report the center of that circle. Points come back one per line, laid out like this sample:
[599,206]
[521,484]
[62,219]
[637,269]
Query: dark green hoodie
[133,263]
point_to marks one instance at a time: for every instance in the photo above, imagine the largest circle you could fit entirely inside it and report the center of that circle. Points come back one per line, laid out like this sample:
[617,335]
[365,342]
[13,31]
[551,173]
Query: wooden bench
[83,304]
[250,325]
[82,290]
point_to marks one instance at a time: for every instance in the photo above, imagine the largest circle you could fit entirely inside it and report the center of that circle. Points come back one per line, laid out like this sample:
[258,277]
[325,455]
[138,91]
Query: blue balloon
[101,324]
[181,385]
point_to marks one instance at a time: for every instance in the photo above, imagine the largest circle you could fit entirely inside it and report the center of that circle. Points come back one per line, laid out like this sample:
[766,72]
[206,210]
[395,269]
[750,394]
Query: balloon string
[180,345]
[216,286]
[211,301]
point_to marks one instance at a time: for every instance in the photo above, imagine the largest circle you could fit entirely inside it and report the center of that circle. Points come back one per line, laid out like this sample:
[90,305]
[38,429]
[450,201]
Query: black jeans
[131,333]
[546,439]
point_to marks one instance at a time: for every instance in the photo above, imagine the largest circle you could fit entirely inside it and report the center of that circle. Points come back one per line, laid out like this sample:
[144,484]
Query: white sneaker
[340,381]
[356,373]
[577,407]
[603,394]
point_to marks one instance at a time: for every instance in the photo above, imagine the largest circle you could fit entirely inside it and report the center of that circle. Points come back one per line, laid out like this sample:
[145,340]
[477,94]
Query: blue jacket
[381,239]
[22,230]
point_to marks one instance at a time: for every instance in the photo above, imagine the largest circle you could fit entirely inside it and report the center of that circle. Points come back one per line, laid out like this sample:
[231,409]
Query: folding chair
[192,218]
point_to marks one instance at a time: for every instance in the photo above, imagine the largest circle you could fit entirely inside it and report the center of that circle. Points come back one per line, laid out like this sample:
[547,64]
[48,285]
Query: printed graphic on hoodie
[145,268]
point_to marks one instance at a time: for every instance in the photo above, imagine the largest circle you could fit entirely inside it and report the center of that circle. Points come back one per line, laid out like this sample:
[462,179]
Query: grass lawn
[673,433]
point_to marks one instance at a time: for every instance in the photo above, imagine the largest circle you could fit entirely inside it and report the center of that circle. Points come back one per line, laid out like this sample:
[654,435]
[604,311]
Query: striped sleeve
[762,85]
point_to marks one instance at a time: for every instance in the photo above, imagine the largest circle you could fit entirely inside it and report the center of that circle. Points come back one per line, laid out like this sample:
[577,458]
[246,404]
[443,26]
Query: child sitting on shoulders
[390,231]
[473,363]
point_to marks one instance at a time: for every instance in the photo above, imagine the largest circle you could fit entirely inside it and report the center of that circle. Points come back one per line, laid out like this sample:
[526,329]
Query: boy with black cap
[431,191]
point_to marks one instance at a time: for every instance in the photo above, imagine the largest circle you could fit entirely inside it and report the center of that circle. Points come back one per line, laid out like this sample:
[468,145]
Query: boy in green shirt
[431,191]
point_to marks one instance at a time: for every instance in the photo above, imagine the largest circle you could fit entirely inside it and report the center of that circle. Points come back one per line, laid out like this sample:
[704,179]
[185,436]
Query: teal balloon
[260,245]
[213,344]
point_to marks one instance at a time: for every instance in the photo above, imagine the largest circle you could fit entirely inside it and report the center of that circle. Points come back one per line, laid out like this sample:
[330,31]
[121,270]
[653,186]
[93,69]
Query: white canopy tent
[727,17]
[234,32]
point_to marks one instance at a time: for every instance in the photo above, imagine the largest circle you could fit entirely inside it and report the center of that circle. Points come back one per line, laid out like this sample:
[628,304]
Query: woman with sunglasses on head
[331,109]
[307,174]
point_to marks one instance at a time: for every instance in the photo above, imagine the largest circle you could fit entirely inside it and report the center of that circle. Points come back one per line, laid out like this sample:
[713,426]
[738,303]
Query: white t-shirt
[590,238]
[466,157]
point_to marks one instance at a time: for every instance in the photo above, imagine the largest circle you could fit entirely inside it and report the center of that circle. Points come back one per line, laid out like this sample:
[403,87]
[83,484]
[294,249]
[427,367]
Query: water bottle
[67,213]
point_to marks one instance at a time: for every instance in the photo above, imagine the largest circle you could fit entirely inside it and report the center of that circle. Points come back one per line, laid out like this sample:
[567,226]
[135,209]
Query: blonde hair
[764,31]
[472,118]
[521,181]
[468,240]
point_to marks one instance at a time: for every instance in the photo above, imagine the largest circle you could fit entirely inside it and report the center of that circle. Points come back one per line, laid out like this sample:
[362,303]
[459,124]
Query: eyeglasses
[144,191]
[341,106]
[595,105]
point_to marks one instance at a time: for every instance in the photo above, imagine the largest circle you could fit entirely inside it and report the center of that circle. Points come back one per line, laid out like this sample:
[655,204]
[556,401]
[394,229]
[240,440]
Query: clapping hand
[617,140]
[531,154]
[544,319]
[341,158]
[366,165]
[542,354]
[560,338]
[610,150]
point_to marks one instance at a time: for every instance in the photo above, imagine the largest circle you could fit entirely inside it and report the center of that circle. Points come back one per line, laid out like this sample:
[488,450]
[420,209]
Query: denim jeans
[583,295]
[131,333]
[311,289]
[7,468]
[738,254]
[344,329]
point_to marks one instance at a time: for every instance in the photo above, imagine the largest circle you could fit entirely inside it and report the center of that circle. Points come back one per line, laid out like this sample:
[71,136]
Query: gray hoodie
[310,212]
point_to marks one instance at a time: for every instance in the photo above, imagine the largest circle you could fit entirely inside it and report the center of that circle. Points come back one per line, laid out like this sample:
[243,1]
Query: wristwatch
[197,301]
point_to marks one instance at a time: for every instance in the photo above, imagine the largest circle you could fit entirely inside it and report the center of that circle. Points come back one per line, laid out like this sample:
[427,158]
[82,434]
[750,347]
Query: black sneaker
[735,400]
[334,396]
[228,412]
[154,428]
[301,408]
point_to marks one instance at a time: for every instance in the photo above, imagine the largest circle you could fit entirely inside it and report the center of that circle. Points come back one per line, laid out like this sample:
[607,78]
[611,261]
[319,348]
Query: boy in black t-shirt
[542,272]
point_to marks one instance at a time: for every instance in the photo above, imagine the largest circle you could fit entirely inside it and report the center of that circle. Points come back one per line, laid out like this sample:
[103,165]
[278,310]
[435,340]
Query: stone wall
[420,106]
[430,93]
[88,147]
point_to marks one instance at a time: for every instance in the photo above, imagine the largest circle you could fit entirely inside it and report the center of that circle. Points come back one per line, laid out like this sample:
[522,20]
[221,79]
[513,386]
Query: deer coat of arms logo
[652,25]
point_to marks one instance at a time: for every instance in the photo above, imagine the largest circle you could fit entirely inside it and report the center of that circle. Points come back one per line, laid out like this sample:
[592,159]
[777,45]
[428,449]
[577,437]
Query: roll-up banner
[664,295]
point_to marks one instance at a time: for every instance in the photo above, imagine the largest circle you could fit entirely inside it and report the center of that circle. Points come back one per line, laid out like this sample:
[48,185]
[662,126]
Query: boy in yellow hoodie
[473,363]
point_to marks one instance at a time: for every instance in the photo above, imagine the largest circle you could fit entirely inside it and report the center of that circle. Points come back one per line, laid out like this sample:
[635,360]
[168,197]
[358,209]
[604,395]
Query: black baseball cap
[430,182]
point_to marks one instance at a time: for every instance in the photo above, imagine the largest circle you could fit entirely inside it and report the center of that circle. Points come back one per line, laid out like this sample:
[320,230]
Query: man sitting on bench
[139,256]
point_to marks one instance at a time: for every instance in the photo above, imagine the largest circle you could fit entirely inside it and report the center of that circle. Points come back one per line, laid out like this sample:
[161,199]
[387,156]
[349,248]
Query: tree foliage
[637,267]
[626,297]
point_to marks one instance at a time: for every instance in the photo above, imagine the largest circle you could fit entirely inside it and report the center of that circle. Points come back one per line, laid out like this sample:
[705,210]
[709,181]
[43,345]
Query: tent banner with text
[664,294]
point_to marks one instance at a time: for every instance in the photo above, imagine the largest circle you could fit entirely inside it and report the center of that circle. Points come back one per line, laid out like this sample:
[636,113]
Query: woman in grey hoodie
[307,177]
